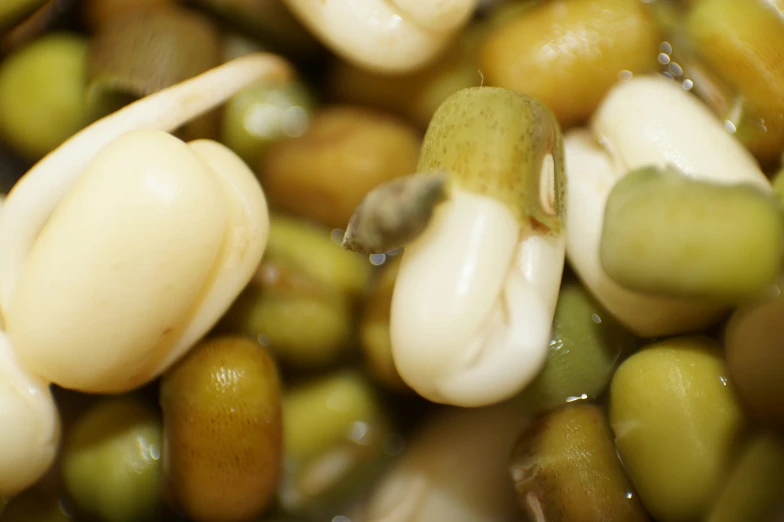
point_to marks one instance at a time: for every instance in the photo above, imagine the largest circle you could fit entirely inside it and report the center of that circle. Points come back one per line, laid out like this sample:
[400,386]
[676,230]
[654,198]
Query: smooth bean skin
[753,490]
[111,463]
[568,54]
[754,339]
[335,428]
[42,101]
[565,469]
[586,347]
[677,422]
[115,240]
[305,278]
[668,234]
[742,44]
[346,151]
[222,430]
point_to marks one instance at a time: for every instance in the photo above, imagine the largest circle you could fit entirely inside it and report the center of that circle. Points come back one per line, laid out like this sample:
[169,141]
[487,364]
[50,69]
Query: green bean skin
[671,235]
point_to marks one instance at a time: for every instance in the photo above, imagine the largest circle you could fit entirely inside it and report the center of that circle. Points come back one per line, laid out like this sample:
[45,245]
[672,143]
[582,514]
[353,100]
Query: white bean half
[394,36]
[123,247]
[473,303]
[646,121]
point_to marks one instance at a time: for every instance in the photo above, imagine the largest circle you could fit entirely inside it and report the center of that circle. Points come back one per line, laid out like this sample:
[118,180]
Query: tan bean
[222,430]
[568,54]
[346,152]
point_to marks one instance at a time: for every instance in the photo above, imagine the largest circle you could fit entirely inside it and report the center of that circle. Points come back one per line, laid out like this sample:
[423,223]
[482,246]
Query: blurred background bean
[414,96]
[754,340]
[455,467]
[112,461]
[301,301]
[345,152]
[98,12]
[569,53]
[740,46]
[677,425]
[565,469]
[42,94]
[754,487]
[587,345]
[222,430]
[147,50]
[337,438]
[262,115]
[12,10]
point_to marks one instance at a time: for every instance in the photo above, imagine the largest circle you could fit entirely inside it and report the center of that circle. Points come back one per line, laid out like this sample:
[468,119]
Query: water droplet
[263,121]
[341,518]
[676,69]
[629,495]
[664,59]
[393,444]
[576,398]
[723,380]
[729,126]
[263,340]
[665,48]
[625,75]
[295,121]
[688,84]
[596,319]
[378,259]
[359,432]
[337,236]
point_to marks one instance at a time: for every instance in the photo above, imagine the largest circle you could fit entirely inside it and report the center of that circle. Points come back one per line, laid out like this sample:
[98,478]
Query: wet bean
[565,469]
[677,423]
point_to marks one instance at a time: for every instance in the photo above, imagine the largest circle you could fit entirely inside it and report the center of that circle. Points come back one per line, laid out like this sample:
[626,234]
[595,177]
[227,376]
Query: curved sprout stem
[34,198]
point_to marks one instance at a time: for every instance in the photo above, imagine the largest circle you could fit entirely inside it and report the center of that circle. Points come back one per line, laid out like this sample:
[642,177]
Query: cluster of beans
[660,394]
